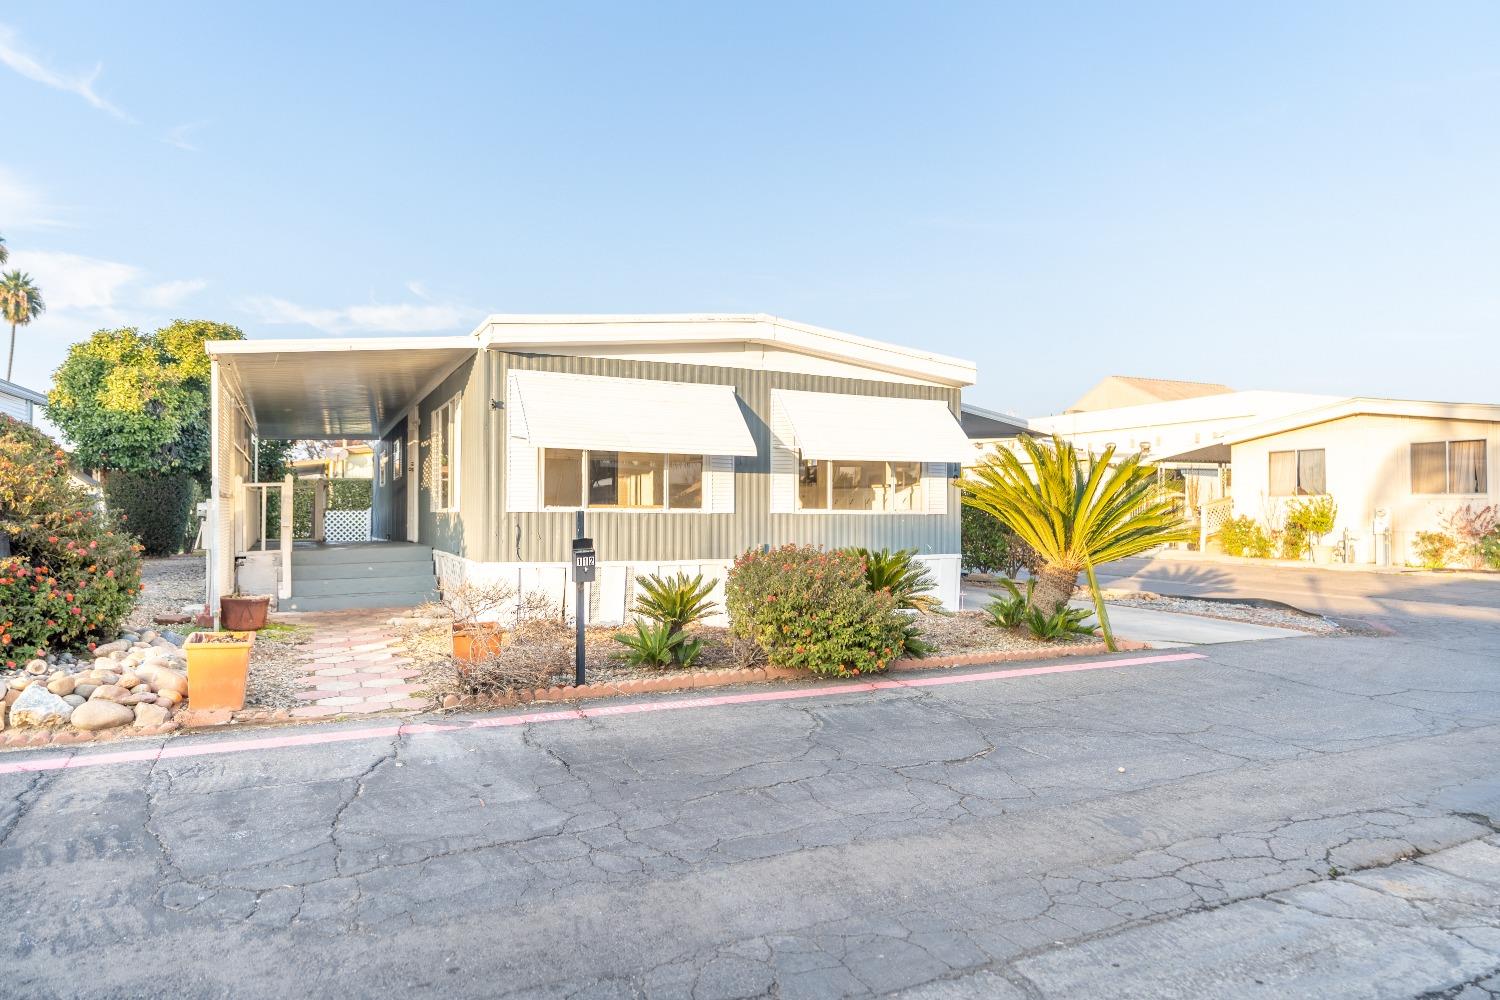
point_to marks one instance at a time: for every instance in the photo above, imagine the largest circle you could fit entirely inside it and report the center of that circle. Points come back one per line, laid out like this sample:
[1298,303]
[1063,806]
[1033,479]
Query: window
[397,468]
[445,449]
[1449,467]
[837,484]
[1298,473]
[385,461]
[632,480]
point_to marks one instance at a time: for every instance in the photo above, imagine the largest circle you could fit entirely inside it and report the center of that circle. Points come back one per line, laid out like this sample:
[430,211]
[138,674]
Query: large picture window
[836,484]
[445,446]
[630,480]
[1298,473]
[1449,467]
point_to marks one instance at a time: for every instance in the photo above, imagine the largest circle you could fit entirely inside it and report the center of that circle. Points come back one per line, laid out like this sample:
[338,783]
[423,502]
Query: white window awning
[564,410]
[873,428]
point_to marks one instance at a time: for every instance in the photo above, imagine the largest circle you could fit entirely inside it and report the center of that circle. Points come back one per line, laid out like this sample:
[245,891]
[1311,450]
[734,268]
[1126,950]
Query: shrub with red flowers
[811,608]
[71,577]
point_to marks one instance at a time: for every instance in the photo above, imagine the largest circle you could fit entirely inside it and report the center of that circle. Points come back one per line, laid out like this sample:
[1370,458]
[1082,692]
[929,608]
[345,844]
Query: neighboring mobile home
[20,402]
[686,440]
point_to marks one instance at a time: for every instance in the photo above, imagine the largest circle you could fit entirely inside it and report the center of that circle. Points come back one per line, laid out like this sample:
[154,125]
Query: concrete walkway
[352,667]
[1162,629]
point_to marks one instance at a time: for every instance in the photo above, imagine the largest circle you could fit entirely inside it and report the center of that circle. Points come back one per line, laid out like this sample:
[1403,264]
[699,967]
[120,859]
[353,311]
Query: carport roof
[302,389]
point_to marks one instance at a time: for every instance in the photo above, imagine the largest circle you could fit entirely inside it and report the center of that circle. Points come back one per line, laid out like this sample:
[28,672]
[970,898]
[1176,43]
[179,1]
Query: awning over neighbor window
[564,410]
[873,428]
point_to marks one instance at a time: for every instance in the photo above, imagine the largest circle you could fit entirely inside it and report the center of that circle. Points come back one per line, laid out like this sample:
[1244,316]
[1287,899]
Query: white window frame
[925,481]
[1448,444]
[398,467]
[454,448]
[704,507]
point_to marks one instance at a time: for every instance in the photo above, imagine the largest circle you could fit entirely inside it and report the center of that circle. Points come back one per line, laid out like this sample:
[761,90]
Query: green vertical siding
[462,532]
[653,536]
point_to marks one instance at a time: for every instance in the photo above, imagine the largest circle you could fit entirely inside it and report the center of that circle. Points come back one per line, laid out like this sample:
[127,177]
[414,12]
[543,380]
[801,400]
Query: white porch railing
[252,527]
[1212,516]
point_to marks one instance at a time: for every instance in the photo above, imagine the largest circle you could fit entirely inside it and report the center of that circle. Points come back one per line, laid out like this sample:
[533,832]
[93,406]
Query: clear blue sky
[1282,195]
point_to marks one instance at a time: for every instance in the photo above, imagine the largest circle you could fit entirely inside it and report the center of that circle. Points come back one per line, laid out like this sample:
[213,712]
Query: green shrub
[1010,612]
[1315,516]
[990,547]
[655,644]
[1060,624]
[71,576]
[350,494]
[1489,549]
[674,601]
[1293,540]
[1435,549]
[154,507]
[809,608]
[902,576]
[1243,536]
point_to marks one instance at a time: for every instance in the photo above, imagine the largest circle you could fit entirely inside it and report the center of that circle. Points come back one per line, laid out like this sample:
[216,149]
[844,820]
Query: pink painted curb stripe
[175,750]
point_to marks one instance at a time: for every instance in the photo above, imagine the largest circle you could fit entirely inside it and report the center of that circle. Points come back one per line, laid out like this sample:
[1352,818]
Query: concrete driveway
[1295,817]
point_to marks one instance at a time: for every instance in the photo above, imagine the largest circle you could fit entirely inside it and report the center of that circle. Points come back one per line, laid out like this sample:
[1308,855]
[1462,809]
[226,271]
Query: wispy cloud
[71,282]
[25,206]
[403,317]
[177,136]
[29,66]
[170,294]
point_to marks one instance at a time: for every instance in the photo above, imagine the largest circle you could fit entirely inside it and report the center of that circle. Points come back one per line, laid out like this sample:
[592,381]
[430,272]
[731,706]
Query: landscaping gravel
[975,632]
[171,583]
[1235,611]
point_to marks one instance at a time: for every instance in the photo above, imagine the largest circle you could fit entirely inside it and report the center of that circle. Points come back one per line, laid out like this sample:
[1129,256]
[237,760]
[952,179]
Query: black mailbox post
[584,562]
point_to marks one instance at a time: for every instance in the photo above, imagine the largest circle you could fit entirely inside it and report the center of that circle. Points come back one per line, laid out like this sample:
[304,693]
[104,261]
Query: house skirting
[613,593]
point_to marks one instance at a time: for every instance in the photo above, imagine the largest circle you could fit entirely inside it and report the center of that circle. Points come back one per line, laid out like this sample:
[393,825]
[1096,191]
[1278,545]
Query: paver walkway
[354,667]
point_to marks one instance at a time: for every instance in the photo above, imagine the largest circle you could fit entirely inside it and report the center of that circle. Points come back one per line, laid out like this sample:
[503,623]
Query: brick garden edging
[683,680]
[688,680]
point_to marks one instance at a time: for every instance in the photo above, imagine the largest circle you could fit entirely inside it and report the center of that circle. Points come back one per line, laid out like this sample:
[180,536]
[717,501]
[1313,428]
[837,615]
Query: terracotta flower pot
[477,641]
[243,614]
[218,667]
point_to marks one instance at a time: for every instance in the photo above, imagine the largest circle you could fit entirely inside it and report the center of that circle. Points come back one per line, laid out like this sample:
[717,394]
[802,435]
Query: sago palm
[1076,512]
[20,303]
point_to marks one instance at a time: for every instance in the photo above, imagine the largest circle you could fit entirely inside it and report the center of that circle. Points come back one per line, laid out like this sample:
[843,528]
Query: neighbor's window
[624,479]
[1449,467]
[836,484]
[1298,473]
[445,445]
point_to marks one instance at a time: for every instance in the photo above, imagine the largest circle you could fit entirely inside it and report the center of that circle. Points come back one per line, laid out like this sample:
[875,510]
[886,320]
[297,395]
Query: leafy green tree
[273,460]
[139,403]
[1077,513]
[20,303]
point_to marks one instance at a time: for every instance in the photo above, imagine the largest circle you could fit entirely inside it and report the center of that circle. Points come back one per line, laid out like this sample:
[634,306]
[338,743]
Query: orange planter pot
[218,667]
[479,641]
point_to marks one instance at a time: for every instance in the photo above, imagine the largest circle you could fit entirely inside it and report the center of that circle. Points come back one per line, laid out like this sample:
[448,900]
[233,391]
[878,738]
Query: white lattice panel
[346,526]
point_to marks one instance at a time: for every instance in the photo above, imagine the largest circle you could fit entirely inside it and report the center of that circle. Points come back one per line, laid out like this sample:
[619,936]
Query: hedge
[154,507]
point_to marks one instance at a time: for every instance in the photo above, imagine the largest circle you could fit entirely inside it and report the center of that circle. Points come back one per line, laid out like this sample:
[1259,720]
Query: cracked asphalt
[1297,817]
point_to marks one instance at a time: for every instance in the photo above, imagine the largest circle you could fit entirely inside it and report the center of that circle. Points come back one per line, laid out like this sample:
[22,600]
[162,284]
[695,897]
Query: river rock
[74,699]
[109,692]
[95,715]
[39,707]
[60,686]
[128,680]
[87,690]
[36,668]
[168,698]
[118,646]
[151,715]
[165,679]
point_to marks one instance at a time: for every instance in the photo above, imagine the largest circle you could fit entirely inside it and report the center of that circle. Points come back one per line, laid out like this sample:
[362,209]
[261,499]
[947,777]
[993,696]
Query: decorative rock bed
[139,681]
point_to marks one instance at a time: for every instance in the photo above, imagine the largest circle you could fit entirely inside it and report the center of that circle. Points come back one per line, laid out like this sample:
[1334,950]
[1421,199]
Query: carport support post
[579,609]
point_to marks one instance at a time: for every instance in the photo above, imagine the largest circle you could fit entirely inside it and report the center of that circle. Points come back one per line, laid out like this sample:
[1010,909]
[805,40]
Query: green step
[350,601]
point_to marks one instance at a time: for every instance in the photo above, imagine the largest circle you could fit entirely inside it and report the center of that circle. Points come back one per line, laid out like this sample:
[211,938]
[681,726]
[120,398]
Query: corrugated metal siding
[544,537]
[389,515]
[16,407]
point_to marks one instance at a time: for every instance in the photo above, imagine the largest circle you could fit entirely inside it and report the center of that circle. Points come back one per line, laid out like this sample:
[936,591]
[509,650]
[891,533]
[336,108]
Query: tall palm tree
[20,303]
[4,253]
[1077,513]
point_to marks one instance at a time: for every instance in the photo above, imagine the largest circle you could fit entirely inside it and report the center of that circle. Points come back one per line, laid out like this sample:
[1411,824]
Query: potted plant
[218,667]
[477,631]
[243,612]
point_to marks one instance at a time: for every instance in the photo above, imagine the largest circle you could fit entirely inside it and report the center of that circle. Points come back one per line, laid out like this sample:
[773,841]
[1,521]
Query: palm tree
[4,253]
[1077,513]
[20,303]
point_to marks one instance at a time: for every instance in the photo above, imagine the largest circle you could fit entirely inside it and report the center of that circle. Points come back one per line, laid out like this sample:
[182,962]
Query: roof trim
[30,395]
[1364,406]
[224,348]
[496,331]
[1021,424]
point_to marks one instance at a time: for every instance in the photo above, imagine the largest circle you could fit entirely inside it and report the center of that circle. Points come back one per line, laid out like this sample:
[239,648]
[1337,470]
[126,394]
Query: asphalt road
[1297,817]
